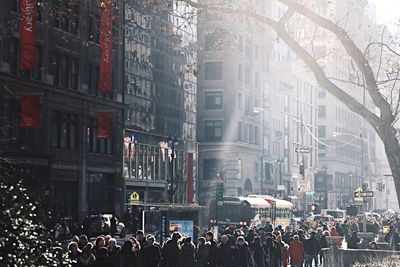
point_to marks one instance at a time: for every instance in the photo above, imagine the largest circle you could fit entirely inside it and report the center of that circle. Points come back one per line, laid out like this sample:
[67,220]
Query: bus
[283,209]
[250,211]
[337,214]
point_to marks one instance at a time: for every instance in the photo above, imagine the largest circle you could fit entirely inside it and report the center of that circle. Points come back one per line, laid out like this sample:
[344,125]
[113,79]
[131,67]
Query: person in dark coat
[86,259]
[73,253]
[258,252]
[312,249]
[272,251]
[392,238]
[202,253]
[188,252]
[170,251]
[151,254]
[323,244]
[242,254]
[113,253]
[212,261]
[113,226]
[101,258]
[128,257]
[352,242]
[226,252]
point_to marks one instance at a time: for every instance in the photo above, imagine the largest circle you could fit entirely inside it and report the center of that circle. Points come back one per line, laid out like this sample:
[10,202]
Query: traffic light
[220,192]
[301,168]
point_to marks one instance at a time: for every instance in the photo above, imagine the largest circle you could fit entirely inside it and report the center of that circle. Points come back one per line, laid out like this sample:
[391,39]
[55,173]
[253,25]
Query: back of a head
[201,240]
[296,237]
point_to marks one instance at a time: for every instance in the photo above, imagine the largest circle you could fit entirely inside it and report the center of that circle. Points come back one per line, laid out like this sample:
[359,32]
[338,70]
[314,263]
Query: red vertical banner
[29,111]
[106,45]
[27,60]
[105,125]
[190,179]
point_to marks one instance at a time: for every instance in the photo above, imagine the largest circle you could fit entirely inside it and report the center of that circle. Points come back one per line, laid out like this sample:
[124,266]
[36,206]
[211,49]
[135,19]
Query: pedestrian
[285,251]
[333,232]
[73,253]
[128,256]
[99,243]
[226,250]
[242,254]
[296,252]
[352,242]
[101,258]
[113,253]
[212,261]
[86,258]
[83,240]
[323,244]
[188,252]
[202,253]
[392,238]
[312,249]
[258,252]
[170,251]
[113,225]
[151,254]
[140,238]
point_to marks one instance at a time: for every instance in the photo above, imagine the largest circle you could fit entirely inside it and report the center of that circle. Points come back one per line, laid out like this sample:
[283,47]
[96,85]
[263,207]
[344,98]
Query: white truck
[337,214]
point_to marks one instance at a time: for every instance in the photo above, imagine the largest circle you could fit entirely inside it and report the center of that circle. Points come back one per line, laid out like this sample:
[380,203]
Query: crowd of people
[261,246]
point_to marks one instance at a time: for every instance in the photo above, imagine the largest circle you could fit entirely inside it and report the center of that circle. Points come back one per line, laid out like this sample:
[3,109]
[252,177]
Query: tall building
[160,151]
[59,129]
[233,76]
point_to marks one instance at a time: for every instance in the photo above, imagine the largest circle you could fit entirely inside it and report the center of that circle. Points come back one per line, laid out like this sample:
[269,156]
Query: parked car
[100,224]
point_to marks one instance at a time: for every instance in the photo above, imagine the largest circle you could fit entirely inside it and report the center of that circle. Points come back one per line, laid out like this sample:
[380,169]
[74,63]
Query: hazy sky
[387,11]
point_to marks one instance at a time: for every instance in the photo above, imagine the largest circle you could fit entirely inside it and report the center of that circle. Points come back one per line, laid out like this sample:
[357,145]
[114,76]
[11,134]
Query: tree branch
[353,51]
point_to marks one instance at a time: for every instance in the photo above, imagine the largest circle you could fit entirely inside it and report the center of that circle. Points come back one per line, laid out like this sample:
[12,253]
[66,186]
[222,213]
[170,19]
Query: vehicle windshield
[335,214]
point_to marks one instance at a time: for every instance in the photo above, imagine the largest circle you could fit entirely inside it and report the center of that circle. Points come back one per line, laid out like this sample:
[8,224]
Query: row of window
[64,135]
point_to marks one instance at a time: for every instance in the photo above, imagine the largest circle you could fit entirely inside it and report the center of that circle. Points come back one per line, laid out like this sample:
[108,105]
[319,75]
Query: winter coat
[258,254]
[393,240]
[202,255]
[129,259]
[312,246]
[170,253]
[212,258]
[242,256]
[352,242]
[296,252]
[151,256]
[323,243]
[226,255]
[188,251]
[86,260]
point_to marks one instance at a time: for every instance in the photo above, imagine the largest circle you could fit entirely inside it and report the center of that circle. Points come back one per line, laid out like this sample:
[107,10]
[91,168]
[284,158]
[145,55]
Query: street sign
[303,186]
[356,192]
[363,194]
[135,198]
[302,150]
[281,187]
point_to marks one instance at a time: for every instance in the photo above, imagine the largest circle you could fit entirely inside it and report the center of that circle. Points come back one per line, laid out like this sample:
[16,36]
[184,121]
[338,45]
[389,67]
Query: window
[213,168]
[213,41]
[248,48]
[243,132]
[213,130]
[256,80]
[95,145]
[321,111]
[56,68]
[240,72]
[240,43]
[214,70]
[321,131]
[64,131]
[247,75]
[213,100]
[74,73]
[64,71]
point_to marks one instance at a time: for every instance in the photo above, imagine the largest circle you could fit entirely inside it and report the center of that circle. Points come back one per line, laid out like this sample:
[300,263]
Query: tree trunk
[392,148]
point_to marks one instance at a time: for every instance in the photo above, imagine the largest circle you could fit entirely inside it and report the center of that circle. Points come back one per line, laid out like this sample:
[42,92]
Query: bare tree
[383,93]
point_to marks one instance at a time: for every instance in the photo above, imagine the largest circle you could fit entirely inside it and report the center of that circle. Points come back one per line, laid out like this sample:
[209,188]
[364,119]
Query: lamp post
[171,190]
[360,137]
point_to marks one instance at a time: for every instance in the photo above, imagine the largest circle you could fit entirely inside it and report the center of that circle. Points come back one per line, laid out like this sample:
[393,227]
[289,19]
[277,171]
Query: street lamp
[172,142]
